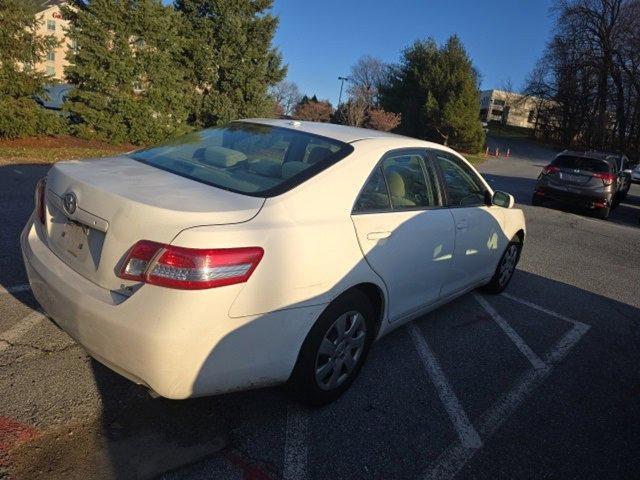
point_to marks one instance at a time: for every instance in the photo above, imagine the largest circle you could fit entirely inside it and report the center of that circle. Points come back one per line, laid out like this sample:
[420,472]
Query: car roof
[592,154]
[341,133]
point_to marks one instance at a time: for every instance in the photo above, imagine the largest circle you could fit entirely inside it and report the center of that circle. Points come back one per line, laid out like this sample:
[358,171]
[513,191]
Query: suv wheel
[334,350]
[603,213]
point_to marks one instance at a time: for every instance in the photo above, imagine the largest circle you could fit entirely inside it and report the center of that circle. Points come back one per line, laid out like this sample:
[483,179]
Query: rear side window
[401,181]
[592,165]
[253,159]
[374,196]
[410,186]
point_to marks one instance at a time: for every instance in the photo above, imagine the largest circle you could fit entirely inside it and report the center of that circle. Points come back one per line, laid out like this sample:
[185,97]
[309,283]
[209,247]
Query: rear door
[479,240]
[406,235]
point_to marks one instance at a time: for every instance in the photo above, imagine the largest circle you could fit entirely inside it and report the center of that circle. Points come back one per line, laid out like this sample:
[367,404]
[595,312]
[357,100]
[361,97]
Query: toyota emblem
[70,203]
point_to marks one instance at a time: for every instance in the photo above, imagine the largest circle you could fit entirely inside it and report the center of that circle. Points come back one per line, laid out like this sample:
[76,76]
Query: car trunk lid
[97,210]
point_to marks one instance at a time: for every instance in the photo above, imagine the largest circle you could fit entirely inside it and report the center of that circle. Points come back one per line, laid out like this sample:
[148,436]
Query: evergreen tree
[436,92]
[20,49]
[130,85]
[230,57]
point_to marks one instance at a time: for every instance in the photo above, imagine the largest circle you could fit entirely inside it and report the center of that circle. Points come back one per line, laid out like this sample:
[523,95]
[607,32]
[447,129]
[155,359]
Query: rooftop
[342,133]
[45,4]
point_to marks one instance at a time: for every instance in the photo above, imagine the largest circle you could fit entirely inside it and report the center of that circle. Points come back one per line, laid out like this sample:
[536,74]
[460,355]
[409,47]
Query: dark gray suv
[584,179]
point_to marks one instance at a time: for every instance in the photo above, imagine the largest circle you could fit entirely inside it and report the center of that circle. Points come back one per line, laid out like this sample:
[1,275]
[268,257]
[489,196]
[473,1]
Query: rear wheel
[506,267]
[334,350]
[536,200]
[603,213]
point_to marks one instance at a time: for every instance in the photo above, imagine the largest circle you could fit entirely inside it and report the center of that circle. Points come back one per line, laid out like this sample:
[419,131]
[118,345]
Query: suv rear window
[248,158]
[581,163]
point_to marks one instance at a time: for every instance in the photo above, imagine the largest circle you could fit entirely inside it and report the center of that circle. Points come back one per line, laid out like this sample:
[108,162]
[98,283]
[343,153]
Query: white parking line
[15,289]
[295,447]
[452,460]
[468,435]
[511,333]
[541,309]
[18,330]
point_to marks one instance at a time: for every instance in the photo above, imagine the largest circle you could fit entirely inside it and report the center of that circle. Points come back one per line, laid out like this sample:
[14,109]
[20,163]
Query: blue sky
[321,39]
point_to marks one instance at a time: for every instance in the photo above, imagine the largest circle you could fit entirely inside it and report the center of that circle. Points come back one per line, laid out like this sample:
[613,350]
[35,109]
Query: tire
[536,201]
[603,213]
[509,260]
[319,378]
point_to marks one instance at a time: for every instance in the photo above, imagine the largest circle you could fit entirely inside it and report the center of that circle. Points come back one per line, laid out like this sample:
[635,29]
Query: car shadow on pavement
[140,437]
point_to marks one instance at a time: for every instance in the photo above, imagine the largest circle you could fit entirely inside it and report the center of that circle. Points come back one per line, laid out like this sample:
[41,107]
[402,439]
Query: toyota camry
[262,252]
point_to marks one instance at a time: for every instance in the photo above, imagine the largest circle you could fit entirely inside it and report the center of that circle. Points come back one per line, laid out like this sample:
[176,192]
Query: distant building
[52,23]
[509,108]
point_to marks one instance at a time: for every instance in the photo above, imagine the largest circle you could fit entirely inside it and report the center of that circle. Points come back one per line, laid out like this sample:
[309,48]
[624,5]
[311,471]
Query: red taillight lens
[550,169]
[607,178]
[41,187]
[189,268]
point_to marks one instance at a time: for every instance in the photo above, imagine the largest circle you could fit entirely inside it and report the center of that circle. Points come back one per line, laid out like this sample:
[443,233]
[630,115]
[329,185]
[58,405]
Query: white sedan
[262,252]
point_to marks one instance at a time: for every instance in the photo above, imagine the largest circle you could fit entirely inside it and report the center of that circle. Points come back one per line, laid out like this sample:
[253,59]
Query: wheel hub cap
[340,350]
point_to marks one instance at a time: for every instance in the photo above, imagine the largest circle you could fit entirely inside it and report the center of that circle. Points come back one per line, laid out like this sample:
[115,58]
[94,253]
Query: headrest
[267,168]
[289,169]
[396,184]
[222,157]
[319,153]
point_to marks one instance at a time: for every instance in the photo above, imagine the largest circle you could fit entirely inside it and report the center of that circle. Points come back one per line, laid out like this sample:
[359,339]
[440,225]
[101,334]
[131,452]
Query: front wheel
[506,267]
[334,350]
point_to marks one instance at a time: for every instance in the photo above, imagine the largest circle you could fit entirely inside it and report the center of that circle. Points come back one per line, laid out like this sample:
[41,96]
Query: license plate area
[77,244]
[74,238]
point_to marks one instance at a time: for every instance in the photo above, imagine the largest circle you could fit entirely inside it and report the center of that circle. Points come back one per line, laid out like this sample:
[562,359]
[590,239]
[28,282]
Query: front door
[405,234]
[479,240]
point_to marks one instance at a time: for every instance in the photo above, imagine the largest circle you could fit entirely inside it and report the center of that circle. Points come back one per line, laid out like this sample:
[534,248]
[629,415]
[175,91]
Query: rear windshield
[581,163]
[253,159]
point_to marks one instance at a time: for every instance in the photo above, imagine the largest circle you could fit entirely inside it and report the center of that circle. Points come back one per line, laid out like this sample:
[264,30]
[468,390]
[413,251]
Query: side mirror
[502,199]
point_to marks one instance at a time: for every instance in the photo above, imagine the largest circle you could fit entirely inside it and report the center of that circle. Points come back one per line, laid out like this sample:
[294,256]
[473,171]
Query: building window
[51,25]
[51,71]
[500,103]
[532,116]
[73,45]
[496,113]
[51,56]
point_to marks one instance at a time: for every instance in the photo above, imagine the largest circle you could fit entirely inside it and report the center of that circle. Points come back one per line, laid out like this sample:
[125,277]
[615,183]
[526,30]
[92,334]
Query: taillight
[607,178]
[189,268]
[41,186]
[550,169]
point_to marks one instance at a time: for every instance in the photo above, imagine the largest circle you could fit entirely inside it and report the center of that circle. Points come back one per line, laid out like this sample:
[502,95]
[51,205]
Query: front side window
[253,159]
[464,188]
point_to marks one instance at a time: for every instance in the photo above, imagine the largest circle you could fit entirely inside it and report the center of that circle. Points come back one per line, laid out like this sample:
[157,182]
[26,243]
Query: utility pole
[342,80]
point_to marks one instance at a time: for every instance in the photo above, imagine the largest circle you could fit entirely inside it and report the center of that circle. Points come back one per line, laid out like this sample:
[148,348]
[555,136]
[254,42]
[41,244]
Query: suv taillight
[41,186]
[607,178]
[189,268]
[550,169]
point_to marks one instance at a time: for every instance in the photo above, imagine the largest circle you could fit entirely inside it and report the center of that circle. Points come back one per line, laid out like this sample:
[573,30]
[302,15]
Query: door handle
[378,235]
[462,224]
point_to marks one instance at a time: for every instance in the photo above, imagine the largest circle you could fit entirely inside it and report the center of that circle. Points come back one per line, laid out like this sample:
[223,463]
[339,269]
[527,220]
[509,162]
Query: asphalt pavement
[540,382]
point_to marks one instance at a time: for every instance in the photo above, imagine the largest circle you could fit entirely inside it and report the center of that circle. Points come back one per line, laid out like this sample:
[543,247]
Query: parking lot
[542,381]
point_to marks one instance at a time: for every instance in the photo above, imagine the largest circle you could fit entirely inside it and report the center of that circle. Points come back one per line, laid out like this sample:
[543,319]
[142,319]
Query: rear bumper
[178,343]
[571,198]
